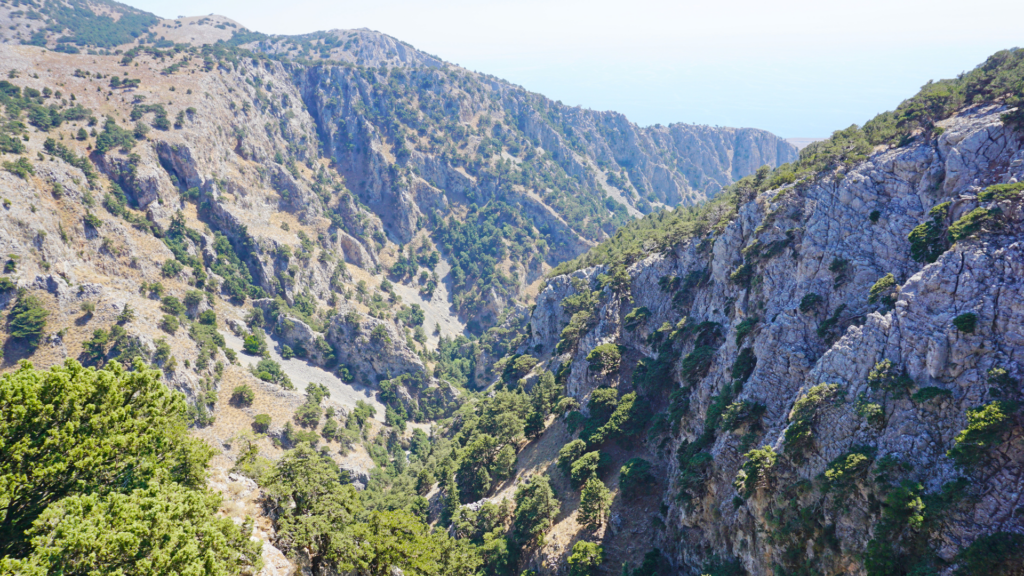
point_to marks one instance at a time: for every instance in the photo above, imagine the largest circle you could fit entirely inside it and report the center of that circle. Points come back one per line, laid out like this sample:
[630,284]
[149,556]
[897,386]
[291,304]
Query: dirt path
[302,373]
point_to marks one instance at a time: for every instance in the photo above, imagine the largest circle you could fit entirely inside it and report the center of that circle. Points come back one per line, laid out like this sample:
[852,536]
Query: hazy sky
[795,68]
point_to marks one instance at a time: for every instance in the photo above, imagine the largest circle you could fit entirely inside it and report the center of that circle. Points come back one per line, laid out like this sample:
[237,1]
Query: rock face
[413,142]
[400,159]
[804,317]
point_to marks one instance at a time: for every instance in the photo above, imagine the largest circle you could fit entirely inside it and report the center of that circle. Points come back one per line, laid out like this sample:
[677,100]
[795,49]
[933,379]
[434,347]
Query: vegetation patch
[799,435]
[756,470]
[966,322]
[884,290]
[985,427]
[928,240]
[975,221]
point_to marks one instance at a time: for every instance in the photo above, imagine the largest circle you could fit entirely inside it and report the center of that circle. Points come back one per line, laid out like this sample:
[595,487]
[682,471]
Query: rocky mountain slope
[420,140]
[835,368]
[816,371]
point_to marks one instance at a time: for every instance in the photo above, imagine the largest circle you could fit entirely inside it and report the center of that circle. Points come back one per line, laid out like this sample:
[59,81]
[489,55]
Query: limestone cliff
[732,333]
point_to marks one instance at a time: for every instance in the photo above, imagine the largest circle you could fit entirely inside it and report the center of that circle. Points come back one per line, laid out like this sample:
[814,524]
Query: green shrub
[842,474]
[870,411]
[972,223]
[884,290]
[270,371]
[742,276]
[826,329]
[254,343]
[261,423]
[985,427]
[27,319]
[169,323]
[744,328]
[737,413]
[999,192]
[243,395]
[928,392]
[756,469]
[799,433]
[584,467]
[1004,384]
[295,436]
[623,421]
[379,334]
[636,317]
[809,302]
[92,220]
[6,284]
[208,318]
[603,402]
[171,268]
[654,563]
[171,305]
[308,415]
[585,559]
[605,358]
[20,167]
[697,363]
[928,240]
[569,454]
[998,554]
[535,509]
[192,298]
[636,478]
[330,429]
[522,366]
[85,443]
[595,499]
[966,322]
[744,365]
[886,376]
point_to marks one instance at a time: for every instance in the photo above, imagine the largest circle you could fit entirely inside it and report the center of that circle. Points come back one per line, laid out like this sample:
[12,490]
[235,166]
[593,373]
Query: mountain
[830,352]
[419,140]
[385,313]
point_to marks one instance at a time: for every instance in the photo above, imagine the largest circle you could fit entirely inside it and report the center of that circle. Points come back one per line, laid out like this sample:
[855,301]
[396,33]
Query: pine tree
[595,500]
[451,500]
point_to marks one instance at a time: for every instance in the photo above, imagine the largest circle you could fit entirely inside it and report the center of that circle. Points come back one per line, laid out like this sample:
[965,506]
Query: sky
[796,68]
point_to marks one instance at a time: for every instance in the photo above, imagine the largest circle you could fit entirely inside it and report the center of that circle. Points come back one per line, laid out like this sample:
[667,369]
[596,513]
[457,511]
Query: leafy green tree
[451,500]
[605,359]
[243,395]
[391,539]
[595,499]
[255,343]
[261,423]
[71,430]
[28,319]
[584,467]
[169,323]
[536,508]
[635,477]
[171,305]
[419,444]
[603,402]
[424,482]
[585,558]
[985,428]
[164,528]
[569,454]
[314,509]
[504,463]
